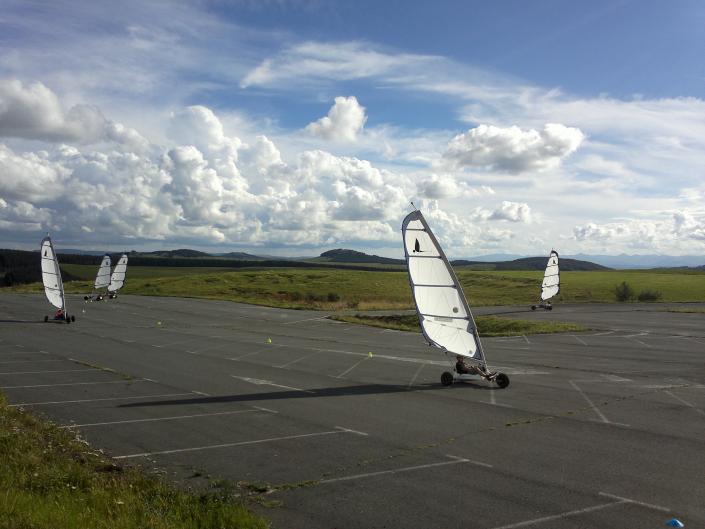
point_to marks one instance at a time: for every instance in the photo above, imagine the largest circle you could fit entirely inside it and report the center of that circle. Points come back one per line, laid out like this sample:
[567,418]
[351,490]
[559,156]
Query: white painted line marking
[174,418]
[416,374]
[636,334]
[283,366]
[40,372]
[579,339]
[635,502]
[454,461]
[493,398]
[595,408]
[99,400]
[236,358]
[260,382]
[307,319]
[701,412]
[616,378]
[265,409]
[602,333]
[341,375]
[358,432]
[76,384]
[230,445]
[201,393]
[525,338]
[502,405]
[561,515]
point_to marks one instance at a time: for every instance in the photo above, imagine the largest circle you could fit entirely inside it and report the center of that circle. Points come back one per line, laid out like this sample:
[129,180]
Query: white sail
[551,278]
[51,275]
[117,280]
[102,280]
[444,314]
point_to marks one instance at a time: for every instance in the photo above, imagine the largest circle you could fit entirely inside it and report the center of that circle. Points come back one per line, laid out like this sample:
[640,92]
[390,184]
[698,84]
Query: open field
[325,289]
[87,272]
[489,326]
[51,480]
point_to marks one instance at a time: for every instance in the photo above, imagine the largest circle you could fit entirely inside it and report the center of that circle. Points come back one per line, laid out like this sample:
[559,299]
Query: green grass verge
[486,325]
[50,480]
[362,290]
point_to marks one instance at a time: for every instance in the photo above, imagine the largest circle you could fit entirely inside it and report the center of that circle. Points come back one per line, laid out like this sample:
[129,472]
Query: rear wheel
[549,308]
[73,318]
[46,319]
[502,380]
[446,378]
[533,307]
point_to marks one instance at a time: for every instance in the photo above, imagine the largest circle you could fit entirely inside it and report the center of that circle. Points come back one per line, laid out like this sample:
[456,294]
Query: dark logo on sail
[417,246]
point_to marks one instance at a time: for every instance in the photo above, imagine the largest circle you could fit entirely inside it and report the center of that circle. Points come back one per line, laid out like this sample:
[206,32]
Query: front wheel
[533,307]
[502,380]
[446,378]
[46,319]
[73,318]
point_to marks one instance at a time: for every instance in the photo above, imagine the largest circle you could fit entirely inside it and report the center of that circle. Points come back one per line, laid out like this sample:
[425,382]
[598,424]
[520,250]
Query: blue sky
[293,127]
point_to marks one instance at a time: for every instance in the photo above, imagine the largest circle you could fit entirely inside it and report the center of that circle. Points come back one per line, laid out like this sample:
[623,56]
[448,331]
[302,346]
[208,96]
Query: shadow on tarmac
[364,389]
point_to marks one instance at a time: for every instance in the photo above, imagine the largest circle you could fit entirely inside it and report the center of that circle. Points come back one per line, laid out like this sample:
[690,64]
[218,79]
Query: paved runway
[602,429]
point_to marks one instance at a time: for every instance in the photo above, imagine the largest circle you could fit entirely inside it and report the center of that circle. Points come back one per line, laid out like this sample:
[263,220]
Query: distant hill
[184,252]
[243,256]
[352,256]
[645,261]
[74,251]
[534,263]
[539,263]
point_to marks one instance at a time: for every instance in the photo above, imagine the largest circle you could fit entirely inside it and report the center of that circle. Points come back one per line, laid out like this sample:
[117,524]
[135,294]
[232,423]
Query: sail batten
[444,313]
[51,275]
[551,278]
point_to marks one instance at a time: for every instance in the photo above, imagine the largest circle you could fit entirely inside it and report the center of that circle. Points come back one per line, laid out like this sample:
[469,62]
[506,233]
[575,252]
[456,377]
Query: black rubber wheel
[46,319]
[549,308]
[73,318]
[533,307]
[68,320]
[502,380]
[446,378]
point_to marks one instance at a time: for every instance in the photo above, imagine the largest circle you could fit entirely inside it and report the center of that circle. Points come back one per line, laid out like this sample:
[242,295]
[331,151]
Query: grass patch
[334,289]
[51,480]
[487,326]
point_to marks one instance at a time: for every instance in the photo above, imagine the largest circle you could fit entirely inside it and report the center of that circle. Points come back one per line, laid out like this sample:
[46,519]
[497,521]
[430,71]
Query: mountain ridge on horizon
[617,261]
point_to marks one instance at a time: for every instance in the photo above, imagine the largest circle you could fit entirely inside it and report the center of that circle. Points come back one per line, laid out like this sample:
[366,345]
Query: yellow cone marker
[159,323]
[369,353]
[269,340]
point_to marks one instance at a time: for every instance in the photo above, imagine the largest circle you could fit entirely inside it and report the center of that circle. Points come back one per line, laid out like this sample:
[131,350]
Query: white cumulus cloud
[344,121]
[512,149]
[33,111]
